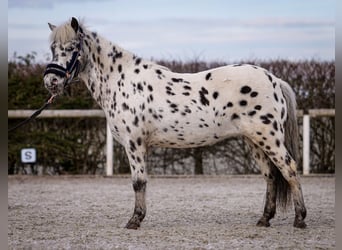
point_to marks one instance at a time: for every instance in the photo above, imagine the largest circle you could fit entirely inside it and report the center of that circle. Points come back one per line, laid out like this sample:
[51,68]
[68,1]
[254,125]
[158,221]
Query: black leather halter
[72,68]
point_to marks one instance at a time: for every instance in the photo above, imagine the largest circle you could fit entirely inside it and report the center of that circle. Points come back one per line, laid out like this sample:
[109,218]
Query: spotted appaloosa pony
[148,105]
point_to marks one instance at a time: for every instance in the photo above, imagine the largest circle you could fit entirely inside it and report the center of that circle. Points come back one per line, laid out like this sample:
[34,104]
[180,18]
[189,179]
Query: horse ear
[51,26]
[74,24]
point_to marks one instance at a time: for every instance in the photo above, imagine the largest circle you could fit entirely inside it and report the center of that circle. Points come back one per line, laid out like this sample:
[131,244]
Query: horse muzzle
[54,83]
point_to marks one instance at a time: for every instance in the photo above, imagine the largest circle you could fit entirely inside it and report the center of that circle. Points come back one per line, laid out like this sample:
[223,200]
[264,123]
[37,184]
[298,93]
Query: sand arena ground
[183,213]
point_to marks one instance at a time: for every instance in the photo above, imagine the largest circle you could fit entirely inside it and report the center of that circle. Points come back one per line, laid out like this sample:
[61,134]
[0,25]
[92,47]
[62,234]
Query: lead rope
[35,114]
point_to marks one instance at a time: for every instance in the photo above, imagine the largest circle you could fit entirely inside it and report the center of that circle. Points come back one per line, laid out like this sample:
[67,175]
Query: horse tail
[291,125]
[291,144]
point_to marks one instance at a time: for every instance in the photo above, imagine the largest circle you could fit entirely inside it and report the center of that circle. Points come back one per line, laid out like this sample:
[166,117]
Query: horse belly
[187,134]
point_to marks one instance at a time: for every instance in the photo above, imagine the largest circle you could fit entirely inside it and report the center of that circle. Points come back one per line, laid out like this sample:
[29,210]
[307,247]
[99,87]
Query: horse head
[66,48]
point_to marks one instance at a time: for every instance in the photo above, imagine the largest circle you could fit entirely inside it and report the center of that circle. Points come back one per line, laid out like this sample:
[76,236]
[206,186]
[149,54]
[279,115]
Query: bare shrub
[76,146]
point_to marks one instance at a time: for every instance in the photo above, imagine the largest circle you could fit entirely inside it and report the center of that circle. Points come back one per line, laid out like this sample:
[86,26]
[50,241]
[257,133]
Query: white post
[306,144]
[109,142]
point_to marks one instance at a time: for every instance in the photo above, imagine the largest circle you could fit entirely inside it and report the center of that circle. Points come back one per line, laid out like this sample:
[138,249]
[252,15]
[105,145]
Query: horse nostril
[54,80]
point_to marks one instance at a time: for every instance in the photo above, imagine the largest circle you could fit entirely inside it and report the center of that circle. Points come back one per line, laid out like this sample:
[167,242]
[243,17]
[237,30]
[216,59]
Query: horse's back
[223,81]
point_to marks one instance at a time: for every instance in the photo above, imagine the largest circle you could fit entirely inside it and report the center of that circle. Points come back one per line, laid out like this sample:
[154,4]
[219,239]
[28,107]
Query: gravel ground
[183,213]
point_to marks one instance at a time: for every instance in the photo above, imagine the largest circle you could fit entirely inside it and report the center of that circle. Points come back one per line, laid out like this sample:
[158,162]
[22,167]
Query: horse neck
[101,60]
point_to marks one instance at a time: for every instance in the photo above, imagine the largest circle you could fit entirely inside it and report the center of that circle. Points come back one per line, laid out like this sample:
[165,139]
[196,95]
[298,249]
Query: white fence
[77,113]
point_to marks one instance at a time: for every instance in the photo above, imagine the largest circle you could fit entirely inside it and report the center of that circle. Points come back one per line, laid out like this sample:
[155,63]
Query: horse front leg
[139,213]
[136,155]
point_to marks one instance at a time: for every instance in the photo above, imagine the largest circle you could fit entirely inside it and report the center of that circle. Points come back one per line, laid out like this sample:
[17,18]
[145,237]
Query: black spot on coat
[243,103]
[140,87]
[251,113]
[265,119]
[136,121]
[235,116]
[176,79]
[269,77]
[132,146]
[282,112]
[257,107]
[125,106]
[203,98]
[245,90]
[254,94]
[137,61]
[275,97]
[275,125]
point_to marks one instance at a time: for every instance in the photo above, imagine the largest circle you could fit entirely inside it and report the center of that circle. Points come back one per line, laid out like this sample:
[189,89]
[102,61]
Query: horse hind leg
[281,158]
[136,155]
[293,179]
[288,168]
[268,171]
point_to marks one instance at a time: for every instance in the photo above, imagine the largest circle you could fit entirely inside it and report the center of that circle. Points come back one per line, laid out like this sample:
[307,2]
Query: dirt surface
[182,213]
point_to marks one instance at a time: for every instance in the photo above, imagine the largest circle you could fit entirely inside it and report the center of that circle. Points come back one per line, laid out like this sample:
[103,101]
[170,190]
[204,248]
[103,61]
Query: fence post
[306,144]
[109,143]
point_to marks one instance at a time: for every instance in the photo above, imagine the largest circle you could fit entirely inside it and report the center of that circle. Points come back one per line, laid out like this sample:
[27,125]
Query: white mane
[63,33]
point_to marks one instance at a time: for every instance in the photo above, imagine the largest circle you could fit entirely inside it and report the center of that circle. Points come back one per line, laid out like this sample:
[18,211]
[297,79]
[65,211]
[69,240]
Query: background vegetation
[76,146]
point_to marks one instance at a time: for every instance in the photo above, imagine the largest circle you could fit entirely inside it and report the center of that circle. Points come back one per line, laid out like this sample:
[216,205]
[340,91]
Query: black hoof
[263,223]
[132,225]
[299,224]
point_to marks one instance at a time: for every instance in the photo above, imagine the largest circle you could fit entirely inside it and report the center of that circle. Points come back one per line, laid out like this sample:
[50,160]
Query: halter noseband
[72,66]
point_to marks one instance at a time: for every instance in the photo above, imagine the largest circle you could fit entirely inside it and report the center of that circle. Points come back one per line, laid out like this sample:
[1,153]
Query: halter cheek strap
[59,70]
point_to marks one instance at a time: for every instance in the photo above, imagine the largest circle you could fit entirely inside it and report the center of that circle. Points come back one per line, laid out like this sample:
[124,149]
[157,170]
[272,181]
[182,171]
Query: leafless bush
[77,145]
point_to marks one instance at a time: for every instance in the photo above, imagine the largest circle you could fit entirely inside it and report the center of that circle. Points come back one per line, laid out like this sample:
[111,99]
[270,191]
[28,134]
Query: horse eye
[69,49]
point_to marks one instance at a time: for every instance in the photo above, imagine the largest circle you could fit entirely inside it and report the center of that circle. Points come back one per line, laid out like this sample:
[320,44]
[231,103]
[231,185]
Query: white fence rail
[78,113]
